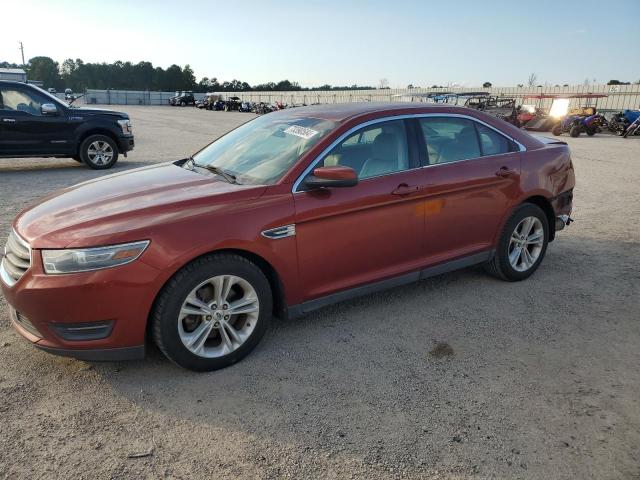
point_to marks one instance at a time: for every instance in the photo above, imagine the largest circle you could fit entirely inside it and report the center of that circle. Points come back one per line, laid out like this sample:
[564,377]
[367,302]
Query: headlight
[85,259]
[126,127]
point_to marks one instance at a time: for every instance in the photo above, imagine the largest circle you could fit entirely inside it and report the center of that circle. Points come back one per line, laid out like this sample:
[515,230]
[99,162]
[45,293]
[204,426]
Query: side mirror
[49,109]
[324,177]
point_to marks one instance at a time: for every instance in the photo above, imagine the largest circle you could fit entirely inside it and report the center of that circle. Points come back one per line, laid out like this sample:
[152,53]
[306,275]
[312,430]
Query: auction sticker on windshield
[301,132]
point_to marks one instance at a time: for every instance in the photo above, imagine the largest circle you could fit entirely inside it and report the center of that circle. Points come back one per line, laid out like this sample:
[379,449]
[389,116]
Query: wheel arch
[96,131]
[546,207]
[277,287]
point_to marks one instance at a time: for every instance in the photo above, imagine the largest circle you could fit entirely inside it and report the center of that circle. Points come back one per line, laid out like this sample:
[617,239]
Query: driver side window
[378,149]
[19,101]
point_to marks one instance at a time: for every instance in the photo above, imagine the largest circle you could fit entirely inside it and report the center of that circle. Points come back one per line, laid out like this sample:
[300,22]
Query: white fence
[620,97]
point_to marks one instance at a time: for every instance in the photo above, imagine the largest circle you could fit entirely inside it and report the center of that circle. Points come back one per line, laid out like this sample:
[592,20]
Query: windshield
[261,151]
[47,94]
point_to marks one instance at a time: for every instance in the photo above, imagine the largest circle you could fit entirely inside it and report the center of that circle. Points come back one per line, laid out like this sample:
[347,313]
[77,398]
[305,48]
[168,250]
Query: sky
[340,42]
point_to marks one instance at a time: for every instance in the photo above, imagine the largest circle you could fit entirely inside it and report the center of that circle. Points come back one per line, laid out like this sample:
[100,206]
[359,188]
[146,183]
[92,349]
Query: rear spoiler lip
[551,141]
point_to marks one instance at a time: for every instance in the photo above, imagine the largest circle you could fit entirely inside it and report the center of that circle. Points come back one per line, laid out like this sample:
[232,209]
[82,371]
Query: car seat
[465,145]
[384,156]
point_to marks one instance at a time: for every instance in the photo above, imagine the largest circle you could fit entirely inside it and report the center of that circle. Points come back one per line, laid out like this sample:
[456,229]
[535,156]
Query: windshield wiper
[229,177]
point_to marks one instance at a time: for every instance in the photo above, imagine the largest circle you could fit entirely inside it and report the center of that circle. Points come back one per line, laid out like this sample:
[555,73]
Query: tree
[383,84]
[486,85]
[45,70]
[617,82]
[533,78]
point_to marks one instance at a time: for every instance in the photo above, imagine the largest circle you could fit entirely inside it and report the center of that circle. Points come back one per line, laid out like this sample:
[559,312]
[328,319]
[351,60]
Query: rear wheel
[213,312]
[522,244]
[575,131]
[99,152]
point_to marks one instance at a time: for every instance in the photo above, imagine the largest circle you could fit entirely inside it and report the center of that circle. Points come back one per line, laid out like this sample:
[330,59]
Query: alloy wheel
[100,152]
[525,244]
[218,316]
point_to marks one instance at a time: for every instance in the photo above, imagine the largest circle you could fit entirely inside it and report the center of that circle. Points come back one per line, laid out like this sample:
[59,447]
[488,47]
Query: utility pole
[22,51]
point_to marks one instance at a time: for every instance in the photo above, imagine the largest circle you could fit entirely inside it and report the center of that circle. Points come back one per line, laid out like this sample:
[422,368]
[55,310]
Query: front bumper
[126,143]
[99,315]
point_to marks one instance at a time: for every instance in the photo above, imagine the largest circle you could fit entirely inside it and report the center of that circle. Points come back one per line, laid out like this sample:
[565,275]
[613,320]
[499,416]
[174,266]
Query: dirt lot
[538,379]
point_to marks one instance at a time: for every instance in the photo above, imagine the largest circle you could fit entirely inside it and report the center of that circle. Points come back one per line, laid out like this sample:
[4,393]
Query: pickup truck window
[20,101]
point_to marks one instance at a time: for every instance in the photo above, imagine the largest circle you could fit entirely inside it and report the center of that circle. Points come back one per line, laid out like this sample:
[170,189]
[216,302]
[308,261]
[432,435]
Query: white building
[15,74]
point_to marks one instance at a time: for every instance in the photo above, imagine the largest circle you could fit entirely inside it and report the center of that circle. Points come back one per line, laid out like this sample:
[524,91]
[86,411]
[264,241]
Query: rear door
[351,236]
[473,179]
[25,130]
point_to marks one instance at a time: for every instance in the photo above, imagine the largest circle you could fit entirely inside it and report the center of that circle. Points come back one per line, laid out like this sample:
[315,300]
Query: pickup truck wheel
[522,244]
[99,152]
[212,313]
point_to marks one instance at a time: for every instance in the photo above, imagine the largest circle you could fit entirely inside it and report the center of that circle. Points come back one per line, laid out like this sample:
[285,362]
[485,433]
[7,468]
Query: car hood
[89,112]
[126,206]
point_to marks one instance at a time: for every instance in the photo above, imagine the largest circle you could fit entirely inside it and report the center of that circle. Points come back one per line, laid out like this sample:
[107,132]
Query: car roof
[341,112]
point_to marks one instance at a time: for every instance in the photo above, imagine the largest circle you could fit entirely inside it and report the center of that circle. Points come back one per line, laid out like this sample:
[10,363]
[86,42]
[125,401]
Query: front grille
[16,260]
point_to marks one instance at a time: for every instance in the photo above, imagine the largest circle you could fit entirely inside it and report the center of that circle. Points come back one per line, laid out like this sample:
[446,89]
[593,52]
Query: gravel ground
[459,376]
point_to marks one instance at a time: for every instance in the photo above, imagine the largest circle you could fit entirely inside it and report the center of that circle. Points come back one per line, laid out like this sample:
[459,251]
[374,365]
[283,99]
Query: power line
[22,51]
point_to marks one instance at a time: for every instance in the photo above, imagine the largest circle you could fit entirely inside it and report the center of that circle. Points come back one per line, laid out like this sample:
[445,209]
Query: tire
[183,104]
[501,265]
[591,131]
[557,130]
[96,143]
[575,131]
[170,332]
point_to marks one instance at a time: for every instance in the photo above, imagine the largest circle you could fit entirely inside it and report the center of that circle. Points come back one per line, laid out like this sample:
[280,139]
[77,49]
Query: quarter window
[372,151]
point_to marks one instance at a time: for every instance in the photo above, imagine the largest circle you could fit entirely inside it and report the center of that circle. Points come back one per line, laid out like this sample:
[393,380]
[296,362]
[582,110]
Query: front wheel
[99,152]
[557,130]
[213,312]
[522,244]
[575,131]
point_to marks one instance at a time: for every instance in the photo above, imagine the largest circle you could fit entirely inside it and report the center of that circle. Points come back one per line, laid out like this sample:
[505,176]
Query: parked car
[183,99]
[35,123]
[245,107]
[232,103]
[287,213]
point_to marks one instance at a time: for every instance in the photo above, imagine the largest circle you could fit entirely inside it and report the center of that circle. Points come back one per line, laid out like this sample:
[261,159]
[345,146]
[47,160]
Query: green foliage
[79,76]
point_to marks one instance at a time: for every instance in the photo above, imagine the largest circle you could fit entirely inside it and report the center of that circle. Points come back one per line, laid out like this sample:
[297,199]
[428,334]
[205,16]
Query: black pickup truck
[34,123]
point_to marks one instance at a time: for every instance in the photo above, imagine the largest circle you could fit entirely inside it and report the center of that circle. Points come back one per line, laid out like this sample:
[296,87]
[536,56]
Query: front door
[351,236]
[25,130]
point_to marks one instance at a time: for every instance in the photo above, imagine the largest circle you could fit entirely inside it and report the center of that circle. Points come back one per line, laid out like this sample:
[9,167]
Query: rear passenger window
[492,142]
[449,139]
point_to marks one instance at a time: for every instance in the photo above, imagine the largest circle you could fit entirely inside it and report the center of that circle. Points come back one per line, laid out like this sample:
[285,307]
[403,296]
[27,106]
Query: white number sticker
[301,132]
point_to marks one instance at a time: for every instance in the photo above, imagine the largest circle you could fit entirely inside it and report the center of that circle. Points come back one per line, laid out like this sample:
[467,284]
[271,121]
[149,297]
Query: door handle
[9,120]
[404,189]
[506,172]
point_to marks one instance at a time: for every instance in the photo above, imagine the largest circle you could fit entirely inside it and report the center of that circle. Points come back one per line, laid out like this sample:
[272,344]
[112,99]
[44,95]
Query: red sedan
[288,213]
